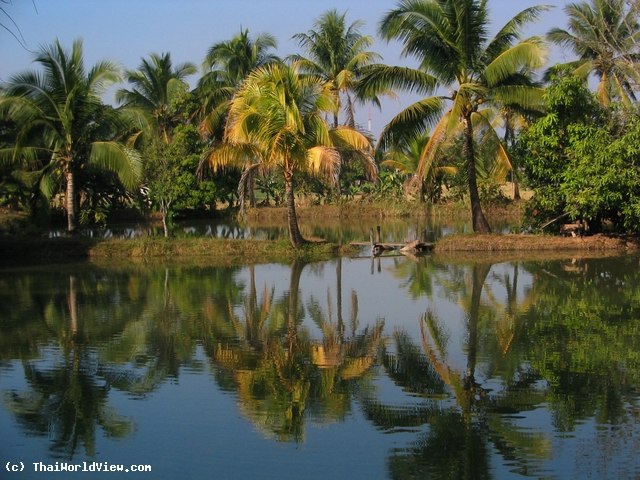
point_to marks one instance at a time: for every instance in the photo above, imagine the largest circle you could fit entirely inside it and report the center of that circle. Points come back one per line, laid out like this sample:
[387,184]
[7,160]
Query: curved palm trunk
[478,220]
[294,231]
[70,201]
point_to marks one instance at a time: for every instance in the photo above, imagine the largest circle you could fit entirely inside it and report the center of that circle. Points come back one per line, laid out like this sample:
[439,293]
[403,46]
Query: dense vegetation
[261,129]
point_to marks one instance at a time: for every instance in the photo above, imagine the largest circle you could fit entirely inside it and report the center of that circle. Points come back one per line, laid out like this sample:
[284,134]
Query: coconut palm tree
[276,120]
[407,159]
[225,67]
[62,121]
[451,42]
[155,86]
[604,34]
[337,53]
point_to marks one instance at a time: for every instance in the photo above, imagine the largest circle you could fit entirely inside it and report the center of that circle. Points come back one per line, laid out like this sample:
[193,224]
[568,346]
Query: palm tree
[407,159]
[450,40]
[276,120]
[226,65]
[604,34]
[60,116]
[337,53]
[156,85]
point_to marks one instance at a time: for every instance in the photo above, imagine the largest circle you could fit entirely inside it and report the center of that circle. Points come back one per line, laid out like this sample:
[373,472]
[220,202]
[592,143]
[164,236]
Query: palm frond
[324,162]
[526,97]
[377,79]
[413,120]
[512,30]
[231,155]
[528,55]
[118,158]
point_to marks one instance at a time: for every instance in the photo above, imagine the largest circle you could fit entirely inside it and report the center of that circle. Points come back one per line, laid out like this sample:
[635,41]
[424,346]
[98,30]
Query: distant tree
[156,85]
[60,118]
[604,34]
[407,158]
[225,67]
[337,53]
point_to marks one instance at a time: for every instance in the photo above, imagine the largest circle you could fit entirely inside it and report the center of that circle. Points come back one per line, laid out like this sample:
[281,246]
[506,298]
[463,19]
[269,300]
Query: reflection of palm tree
[69,400]
[279,372]
[471,397]
[162,339]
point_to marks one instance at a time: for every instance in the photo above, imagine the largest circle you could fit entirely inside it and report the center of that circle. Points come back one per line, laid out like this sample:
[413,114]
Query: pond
[388,367]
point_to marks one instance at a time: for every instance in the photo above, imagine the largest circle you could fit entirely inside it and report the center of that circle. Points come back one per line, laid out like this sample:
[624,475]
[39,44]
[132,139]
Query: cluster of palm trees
[259,113]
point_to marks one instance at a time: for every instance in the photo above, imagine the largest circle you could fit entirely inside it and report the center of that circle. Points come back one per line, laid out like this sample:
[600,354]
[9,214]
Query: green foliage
[171,174]
[582,160]
[603,178]
[542,147]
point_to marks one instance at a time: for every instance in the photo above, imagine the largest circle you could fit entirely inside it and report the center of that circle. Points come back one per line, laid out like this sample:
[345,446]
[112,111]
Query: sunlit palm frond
[529,55]
[324,162]
[231,155]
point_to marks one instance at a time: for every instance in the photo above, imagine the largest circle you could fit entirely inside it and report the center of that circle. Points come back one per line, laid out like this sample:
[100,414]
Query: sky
[125,31]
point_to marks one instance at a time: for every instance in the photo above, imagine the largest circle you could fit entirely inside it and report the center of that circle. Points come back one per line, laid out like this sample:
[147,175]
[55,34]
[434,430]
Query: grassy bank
[24,250]
[17,251]
[19,247]
[538,243]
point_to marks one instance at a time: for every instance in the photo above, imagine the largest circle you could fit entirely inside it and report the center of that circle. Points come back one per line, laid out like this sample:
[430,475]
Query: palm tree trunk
[480,272]
[478,220]
[294,231]
[292,314]
[70,202]
[516,188]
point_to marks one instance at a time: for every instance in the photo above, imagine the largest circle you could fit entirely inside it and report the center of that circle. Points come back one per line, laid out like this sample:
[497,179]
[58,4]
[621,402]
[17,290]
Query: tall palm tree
[155,86]
[605,35]
[276,120]
[337,53]
[450,40]
[225,67]
[62,106]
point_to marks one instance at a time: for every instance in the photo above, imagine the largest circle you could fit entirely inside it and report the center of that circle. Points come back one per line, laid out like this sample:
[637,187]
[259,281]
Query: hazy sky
[127,30]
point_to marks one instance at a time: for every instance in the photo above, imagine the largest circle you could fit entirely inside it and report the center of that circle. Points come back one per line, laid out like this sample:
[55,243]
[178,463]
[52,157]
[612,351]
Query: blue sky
[127,30]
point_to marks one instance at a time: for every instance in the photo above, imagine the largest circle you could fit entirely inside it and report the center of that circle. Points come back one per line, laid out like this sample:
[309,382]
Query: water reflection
[459,368]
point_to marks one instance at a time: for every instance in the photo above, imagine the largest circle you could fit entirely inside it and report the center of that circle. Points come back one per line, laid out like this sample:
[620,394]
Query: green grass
[29,250]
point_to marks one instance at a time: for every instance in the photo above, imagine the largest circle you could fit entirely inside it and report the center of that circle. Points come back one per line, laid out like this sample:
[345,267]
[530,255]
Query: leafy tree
[450,40]
[62,125]
[581,160]
[602,180]
[604,34]
[171,172]
[276,121]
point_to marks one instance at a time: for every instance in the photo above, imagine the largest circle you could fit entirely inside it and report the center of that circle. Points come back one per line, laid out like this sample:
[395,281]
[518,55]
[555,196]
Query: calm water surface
[352,368]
